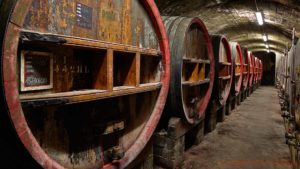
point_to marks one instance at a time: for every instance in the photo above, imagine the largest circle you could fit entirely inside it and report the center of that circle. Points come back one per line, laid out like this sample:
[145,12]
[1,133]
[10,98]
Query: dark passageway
[269,60]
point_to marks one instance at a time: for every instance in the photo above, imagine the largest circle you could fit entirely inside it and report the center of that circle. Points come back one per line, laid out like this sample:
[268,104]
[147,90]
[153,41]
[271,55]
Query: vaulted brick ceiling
[237,20]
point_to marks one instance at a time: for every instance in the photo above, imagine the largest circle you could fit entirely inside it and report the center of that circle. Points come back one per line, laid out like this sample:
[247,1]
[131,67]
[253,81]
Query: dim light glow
[267,46]
[265,38]
[268,50]
[259,18]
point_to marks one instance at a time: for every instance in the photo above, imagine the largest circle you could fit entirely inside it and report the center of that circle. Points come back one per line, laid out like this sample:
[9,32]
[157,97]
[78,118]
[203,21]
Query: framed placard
[36,71]
[84,16]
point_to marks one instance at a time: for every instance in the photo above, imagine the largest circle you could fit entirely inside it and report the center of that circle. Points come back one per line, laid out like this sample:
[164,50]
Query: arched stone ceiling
[237,20]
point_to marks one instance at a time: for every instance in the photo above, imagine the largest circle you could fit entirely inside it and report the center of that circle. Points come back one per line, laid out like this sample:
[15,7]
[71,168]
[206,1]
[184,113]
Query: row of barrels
[287,82]
[84,83]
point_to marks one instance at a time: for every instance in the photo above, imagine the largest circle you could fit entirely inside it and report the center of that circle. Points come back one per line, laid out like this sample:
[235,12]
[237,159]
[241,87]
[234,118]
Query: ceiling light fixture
[265,37]
[259,18]
[267,46]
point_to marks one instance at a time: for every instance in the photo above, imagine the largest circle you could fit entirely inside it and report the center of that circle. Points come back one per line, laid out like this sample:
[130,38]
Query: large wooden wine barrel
[251,78]
[291,96]
[260,70]
[223,69]
[246,68]
[256,69]
[280,72]
[83,82]
[290,83]
[192,67]
[287,70]
[284,74]
[237,57]
[283,77]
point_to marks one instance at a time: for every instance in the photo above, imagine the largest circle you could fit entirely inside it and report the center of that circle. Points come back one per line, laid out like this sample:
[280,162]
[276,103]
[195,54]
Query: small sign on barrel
[36,71]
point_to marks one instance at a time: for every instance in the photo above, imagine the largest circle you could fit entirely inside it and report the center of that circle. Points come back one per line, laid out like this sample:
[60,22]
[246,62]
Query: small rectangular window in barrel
[36,71]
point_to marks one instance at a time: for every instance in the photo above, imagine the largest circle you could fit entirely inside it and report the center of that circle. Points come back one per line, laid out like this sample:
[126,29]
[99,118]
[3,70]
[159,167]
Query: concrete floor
[252,137]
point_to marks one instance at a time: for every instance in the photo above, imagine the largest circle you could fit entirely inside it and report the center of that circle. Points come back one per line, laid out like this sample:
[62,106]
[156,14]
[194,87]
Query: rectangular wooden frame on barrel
[29,68]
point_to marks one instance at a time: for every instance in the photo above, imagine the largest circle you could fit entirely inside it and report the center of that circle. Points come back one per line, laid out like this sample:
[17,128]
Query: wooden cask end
[252,67]
[256,69]
[290,73]
[83,83]
[246,68]
[260,70]
[237,57]
[192,68]
[223,69]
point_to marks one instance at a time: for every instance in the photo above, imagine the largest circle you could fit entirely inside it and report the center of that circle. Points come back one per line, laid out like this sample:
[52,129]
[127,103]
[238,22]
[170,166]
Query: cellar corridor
[250,138]
[149,84]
